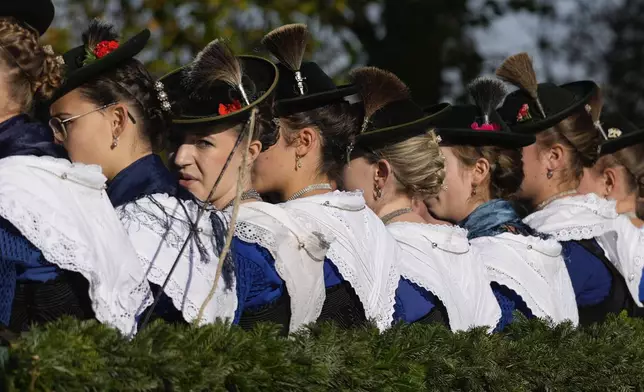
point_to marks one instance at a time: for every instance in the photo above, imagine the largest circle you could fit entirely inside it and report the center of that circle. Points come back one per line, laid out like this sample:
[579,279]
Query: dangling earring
[474,191]
[378,191]
[549,174]
[115,142]
[298,162]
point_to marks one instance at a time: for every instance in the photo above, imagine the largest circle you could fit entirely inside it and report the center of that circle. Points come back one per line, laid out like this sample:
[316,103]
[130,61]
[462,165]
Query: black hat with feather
[302,85]
[390,114]
[479,124]
[37,14]
[535,107]
[218,87]
[620,133]
[101,52]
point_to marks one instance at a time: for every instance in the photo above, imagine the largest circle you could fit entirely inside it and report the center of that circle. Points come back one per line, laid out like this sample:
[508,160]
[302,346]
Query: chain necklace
[250,194]
[310,188]
[385,219]
[631,214]
[554,197]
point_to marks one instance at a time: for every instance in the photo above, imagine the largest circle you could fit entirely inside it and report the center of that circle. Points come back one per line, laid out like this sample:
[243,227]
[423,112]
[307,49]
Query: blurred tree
[422,41]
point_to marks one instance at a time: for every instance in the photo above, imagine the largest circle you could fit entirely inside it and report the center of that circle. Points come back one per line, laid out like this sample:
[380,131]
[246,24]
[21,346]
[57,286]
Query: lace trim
[158,226]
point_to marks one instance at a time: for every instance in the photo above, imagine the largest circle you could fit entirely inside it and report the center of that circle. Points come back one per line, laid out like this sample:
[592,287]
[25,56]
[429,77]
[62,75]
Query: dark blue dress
[491,219]
[22,265]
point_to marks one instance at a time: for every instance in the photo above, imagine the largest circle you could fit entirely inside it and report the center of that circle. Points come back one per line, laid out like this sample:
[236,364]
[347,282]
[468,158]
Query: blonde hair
[580,137]
[31,70]
[418,164]
[506,167]
[630,159]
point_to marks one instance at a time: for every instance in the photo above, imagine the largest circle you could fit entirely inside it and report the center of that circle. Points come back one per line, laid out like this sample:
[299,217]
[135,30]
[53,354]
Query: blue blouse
[19,258]
[591,280]
[412,302]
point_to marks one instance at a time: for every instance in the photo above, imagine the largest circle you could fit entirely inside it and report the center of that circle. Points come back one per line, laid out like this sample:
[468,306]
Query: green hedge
[74,356]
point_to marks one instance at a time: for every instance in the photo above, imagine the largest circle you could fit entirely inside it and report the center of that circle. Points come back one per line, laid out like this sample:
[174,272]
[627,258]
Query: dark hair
[506,167]
[337,124]
[579,134]
[32,70]
[132,83]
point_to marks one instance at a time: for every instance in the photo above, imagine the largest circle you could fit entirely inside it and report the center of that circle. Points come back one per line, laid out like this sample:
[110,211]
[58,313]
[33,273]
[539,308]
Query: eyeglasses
[58,126]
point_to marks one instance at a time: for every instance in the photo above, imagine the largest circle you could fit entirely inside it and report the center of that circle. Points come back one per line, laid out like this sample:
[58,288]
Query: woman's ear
[253,151]
[609,179]
[556,157]
[480,171]
[119,119]
[305,141]
[382,173]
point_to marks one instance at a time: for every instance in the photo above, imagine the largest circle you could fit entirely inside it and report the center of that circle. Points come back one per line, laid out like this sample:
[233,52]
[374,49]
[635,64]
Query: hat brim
[304,103]
[471,137]
[378,138]
[583,91]
[234,117]
[611,146]
[37,14]
[87,73]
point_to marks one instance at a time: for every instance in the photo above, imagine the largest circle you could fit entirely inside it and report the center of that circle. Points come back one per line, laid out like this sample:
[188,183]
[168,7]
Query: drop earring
[298,162]
[549,174]
[115,142]
[474,191]
[378,191]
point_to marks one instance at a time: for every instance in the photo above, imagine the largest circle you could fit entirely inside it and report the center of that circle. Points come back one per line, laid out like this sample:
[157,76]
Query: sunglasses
[59,126]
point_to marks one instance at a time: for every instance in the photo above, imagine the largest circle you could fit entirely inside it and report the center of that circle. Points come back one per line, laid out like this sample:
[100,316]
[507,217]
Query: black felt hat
[620,133]
[101,52]
[536,106]
[390,114]
[479,124]
[219,87]
[302,85]
[38,14]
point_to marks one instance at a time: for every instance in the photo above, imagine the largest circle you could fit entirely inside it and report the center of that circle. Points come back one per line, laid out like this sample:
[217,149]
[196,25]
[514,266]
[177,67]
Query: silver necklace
[385,219]
[554,197]
[631,214]
[250,194]
[310,188]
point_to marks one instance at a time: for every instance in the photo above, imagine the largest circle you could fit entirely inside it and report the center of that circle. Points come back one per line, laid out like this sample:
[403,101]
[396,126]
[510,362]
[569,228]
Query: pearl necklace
[310,188]
[385,219]
[554,197]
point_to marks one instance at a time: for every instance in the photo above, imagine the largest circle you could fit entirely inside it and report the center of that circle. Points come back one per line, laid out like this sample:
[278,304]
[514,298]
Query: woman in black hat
[483,158]
[561,117]
[315,125]
[222,120]
[397,158]
[51,249]
[111,113]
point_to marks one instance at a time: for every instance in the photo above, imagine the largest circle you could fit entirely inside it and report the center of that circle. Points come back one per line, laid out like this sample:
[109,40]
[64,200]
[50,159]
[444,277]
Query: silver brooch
[162,96]
[614,133]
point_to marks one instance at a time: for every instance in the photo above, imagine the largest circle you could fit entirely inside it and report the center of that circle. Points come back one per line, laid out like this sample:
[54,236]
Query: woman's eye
[202,143]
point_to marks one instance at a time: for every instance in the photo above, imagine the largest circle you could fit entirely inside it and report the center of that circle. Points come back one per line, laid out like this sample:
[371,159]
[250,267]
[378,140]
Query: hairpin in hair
[162,96]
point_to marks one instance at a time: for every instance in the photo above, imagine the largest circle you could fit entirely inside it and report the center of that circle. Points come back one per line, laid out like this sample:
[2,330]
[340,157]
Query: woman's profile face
[89,137]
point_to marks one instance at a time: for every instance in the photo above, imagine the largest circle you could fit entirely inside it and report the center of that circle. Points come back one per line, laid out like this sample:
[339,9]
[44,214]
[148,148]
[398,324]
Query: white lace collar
[63,210]
[298,249]
[534,269]
[574,218]
[437,258]
[364,251]
[158,225]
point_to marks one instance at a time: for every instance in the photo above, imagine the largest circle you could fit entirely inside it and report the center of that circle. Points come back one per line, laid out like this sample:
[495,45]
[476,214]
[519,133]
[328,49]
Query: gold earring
[474,191]
[378,191]
[115,142]
[298,162]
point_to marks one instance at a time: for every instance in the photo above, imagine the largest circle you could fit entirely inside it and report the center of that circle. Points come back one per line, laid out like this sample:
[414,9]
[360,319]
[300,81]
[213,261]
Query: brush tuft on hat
[217,63]
[519,71]
[98,31]
[378,88]
[288,44]
[488,94]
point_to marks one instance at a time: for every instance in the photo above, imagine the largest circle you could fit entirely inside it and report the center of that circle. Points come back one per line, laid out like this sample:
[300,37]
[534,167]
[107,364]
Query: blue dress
[414,303]
[20,260]
[490,219]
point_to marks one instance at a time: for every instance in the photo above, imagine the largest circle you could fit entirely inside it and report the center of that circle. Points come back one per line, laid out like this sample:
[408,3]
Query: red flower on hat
[104,48]
[229,108]
[524,113]
[485,127]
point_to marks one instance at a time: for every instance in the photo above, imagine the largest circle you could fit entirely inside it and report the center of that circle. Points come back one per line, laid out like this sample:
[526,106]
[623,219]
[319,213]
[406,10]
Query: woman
[617,173]
[222,122]
[55,259]
[394,160]
[315,127]
[483,161]
[111,113]
[567,142]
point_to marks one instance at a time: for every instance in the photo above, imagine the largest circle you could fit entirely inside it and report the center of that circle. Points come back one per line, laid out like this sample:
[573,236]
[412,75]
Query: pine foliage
[69,355]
